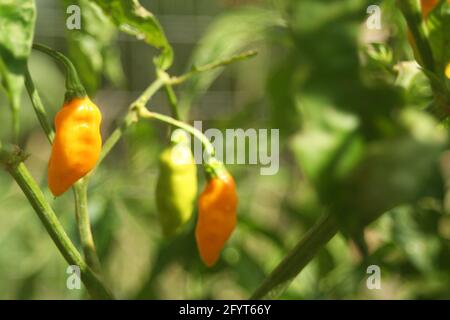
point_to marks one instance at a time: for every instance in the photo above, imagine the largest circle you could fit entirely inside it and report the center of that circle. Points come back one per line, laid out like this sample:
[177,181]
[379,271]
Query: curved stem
[142,100]
[212,66]
[38,106]
[80,188]
[54,228]
[170,93]
[74,88]
[84,225]
[286,271]
[163,79]
[144,113]
[130,118]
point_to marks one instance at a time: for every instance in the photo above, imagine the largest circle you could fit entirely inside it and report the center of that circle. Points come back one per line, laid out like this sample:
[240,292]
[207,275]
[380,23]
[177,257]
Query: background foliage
[355,141]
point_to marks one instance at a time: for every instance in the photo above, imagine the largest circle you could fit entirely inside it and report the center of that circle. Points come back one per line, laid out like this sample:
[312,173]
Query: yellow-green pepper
[176,187]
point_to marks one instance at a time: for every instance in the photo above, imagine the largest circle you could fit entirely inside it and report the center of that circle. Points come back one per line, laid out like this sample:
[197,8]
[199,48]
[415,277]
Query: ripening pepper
[447,70]
[216,214]
[176,188]
[77,143]
[427,6]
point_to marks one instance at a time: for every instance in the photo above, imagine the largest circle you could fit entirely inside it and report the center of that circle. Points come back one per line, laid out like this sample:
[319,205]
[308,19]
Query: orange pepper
[427,6]
[216,217]
[77,144]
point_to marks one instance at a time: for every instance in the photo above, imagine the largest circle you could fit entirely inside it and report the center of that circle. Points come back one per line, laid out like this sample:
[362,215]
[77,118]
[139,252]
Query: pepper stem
[74,88]
[144,113]
[215,169]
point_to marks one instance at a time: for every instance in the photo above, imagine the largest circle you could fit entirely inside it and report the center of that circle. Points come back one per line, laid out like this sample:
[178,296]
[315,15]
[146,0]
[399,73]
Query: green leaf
[327,133]
[393,172]
[421,248]
[17,19]
[439,25]
[93,49]
[132,18]
[228,34]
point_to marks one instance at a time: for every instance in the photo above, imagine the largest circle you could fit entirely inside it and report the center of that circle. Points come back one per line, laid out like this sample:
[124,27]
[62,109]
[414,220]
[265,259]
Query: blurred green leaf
[326,132]
[17,19]
[392,172]
[92,48]
[131,17]
[438,24]
[421,248]
[229,34]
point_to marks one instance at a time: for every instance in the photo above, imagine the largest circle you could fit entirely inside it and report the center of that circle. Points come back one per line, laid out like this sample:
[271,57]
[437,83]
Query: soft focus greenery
[356,141]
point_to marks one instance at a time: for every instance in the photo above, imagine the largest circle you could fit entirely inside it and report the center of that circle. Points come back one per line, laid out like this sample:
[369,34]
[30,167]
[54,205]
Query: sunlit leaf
[93,48]
[131,17]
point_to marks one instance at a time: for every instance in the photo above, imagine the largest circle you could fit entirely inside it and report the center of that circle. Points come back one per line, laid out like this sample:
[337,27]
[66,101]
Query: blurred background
[337,99]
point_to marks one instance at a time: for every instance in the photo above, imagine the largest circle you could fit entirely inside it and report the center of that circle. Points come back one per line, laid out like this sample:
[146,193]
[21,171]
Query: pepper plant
[365,147]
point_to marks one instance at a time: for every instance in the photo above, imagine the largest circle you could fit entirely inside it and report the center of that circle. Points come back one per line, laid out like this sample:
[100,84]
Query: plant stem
[115,136]
[130,118]
[173,101]
[144,113]
[413,16]
[211,66]
[74,88]
[286,271]
[170,93]
[38,106]
[165,80]
[15,111]
[80,188]
[411,10]
[84,225]
[142,100]
[47,216]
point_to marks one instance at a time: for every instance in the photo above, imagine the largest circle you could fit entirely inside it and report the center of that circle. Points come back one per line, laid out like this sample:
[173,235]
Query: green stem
[165,80]
[54,228]
[80,188]
[280,278]
[144,113]
[173,101]
[130,118]
[115,136]
[142,100]
[74,88]
[84,225]
[212,66]
[170,93]
[413,15]
[15,113]
[38,107]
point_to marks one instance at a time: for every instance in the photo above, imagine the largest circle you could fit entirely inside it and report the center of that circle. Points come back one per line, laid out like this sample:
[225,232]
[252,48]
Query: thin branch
[280,278]
[165,80]
[212,66]
[413,16]
[13,161]
[80,188]
[130,118]
[170,93]
[173,100]
[84,225]
[144,113]
[38,106]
